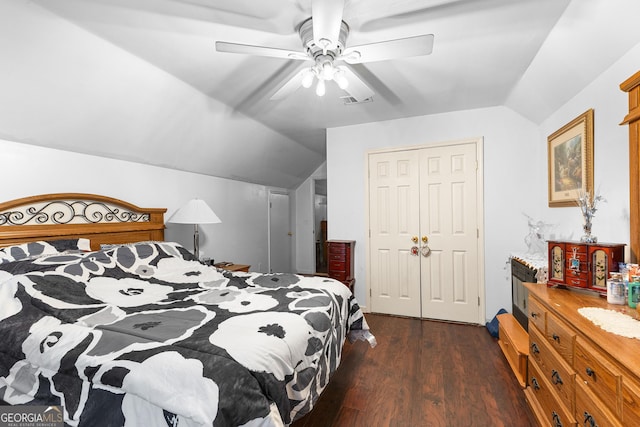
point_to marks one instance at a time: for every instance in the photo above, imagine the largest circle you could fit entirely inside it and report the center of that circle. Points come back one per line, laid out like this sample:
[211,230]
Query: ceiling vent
[350,100]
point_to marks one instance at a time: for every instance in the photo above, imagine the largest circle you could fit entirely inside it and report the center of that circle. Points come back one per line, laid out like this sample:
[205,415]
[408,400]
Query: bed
[102,318]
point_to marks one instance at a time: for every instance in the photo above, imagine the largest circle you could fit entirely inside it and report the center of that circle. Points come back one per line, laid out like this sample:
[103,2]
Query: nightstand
[233,267]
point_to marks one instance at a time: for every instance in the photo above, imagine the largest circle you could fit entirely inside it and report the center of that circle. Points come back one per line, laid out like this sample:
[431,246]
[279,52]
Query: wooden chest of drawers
[578,373]
[583,265]
[341,261]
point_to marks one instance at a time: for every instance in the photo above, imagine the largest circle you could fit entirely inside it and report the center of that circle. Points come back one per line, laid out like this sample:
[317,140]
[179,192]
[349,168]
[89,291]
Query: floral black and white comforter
[145,335]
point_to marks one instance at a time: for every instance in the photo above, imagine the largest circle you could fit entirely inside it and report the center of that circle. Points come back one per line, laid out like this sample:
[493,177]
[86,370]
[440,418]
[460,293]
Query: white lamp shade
[196,211]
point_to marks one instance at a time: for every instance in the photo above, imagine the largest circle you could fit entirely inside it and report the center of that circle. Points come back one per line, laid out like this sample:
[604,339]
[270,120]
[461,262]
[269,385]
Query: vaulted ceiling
[529,55]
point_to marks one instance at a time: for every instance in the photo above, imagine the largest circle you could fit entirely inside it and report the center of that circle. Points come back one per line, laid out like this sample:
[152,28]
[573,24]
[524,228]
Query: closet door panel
[448,219]
[394,225]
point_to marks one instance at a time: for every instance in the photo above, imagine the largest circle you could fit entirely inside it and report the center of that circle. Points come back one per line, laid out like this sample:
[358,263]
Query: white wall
[241,237]
[515,173]
[611,154]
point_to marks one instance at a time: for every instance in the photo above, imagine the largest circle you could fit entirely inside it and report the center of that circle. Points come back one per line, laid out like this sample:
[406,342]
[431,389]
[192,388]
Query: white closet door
[448,218]
[394,191]
[432,193]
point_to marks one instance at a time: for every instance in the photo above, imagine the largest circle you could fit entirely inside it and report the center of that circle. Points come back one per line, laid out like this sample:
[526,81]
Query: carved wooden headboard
[101,219]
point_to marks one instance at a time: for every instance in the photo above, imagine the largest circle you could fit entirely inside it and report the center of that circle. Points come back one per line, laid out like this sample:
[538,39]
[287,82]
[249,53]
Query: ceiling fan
[324,37]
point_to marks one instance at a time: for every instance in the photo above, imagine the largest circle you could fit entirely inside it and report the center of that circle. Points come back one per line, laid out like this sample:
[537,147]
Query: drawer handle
[555,376]
[555,337]
[589,418]
[556,419]
[534,314]
[590,372]
[534,348]
[534,381]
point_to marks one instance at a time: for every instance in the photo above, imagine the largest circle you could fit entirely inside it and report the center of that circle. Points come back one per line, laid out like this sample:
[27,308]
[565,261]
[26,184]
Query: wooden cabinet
[341,261]
[583,265]
[578,373]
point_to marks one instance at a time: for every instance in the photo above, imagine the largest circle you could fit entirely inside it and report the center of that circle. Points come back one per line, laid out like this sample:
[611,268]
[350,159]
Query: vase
[587,237]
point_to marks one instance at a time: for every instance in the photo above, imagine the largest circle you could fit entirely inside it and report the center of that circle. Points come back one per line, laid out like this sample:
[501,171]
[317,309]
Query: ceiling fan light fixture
[321,88]
[341,80]
[328,71]
[307,78]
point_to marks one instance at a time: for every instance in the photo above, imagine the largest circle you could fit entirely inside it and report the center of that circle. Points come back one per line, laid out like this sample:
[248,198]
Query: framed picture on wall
[570,152]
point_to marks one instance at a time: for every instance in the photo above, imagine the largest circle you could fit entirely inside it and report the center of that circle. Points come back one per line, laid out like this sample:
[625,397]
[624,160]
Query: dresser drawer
[537,344]
[553,412]
[336,257]
[599,376]
[577,281]
[590,413]
[630,403]
[338,275]
[560,376]
[337,248]
[335,266]
[537,315]
[579,248]
[560,336]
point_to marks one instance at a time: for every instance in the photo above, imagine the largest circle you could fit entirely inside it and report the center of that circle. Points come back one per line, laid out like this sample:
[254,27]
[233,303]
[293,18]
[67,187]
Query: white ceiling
[530,55]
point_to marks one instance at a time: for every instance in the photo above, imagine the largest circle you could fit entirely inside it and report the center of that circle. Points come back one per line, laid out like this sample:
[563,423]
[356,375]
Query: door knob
[424,248]
[414,239]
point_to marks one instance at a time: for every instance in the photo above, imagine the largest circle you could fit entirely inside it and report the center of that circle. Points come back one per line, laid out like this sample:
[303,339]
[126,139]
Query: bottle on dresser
[634,291]
[616,289]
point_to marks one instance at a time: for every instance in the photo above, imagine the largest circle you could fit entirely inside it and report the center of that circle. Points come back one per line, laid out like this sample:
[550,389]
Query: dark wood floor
[422,373]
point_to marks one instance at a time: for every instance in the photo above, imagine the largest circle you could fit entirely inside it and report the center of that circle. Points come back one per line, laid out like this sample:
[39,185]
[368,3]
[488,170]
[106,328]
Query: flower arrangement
[588,206]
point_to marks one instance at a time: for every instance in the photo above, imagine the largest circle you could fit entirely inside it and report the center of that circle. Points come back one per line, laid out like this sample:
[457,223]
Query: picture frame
[570,157]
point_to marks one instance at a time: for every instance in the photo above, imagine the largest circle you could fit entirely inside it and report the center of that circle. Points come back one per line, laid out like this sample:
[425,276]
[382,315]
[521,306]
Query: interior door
[394,191]
[427,193]
[279,233]
[448,221]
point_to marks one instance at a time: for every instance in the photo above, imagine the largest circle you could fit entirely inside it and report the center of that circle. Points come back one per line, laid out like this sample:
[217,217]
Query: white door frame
[479,141]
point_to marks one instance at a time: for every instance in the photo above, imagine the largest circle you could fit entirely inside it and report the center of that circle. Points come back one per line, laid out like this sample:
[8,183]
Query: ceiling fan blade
[357,88]
[260,51]
[327,18]
[390,49]
[289,87]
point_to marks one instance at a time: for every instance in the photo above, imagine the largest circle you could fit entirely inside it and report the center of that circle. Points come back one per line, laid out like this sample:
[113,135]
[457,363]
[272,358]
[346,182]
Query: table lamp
[195,212]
